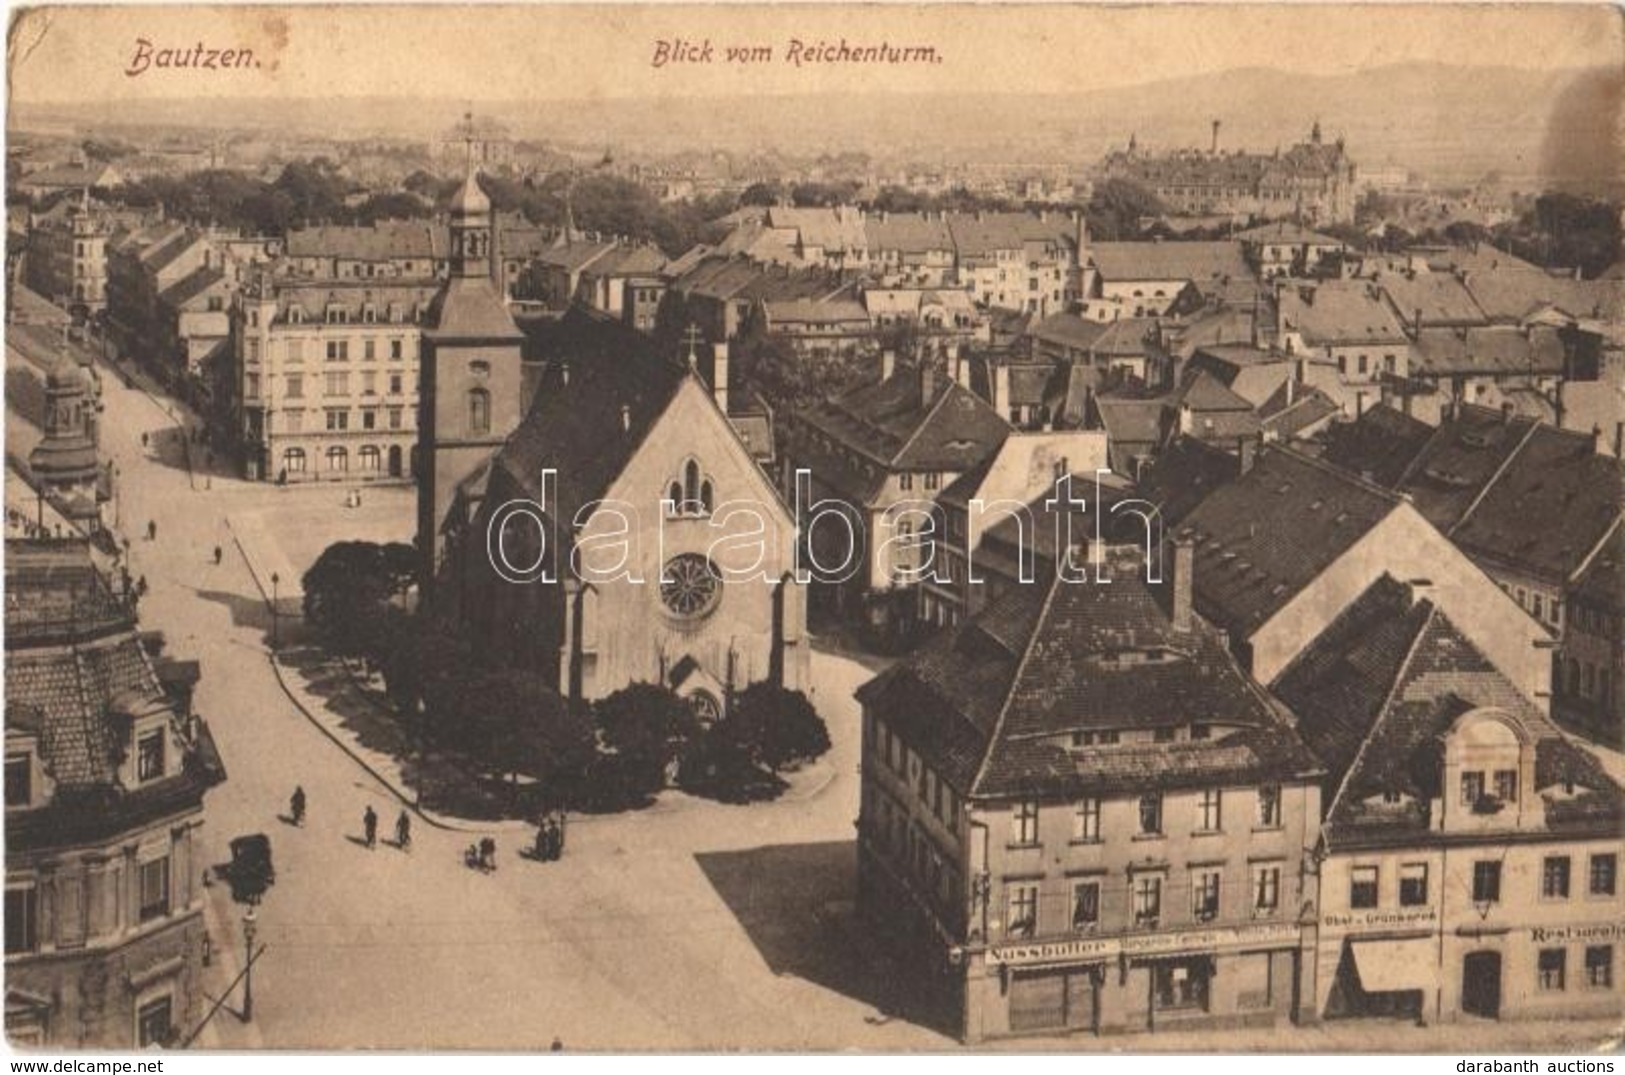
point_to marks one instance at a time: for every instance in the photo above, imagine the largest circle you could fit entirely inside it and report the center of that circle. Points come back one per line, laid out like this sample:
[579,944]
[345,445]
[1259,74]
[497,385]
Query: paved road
[697,927]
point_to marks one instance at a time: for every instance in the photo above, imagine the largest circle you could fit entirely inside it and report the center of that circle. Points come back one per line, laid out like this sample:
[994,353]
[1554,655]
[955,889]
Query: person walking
[296,805]
[369,825]
[403,832]
[217,555]
[152,530]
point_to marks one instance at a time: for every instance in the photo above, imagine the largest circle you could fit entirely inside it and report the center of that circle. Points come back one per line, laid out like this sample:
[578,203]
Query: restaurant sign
[1084,949]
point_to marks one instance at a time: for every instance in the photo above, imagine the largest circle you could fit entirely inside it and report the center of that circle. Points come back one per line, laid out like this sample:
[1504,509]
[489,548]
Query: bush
[775,727]
[646,726]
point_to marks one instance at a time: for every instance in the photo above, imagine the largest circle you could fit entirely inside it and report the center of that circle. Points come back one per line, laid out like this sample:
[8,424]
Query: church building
[586,506]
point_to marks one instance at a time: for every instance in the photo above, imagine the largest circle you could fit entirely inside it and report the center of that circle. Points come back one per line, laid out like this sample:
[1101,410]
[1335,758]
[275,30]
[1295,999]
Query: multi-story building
[1588,690]
[1312,181]
[1348,323]
[1469,862]
[1283,248]
[1078,814]
[67,256]
[393,249]
[878,456]
[105,780]
[327,376]
[1017,261]
[65,465]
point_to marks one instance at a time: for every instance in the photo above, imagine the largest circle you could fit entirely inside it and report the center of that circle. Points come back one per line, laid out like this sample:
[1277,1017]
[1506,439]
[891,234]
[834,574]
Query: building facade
[1051,854]
[105,780]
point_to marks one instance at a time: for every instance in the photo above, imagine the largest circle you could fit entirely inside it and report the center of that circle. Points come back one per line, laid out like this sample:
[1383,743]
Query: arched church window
[691,482]
[479,411]
[705,497]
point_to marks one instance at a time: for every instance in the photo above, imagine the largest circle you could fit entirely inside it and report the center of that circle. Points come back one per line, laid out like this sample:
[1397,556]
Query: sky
[479,53]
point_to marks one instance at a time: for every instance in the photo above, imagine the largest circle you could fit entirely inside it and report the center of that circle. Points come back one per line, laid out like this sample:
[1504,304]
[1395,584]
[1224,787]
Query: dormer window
[19,780]
[296,315]
[149,755]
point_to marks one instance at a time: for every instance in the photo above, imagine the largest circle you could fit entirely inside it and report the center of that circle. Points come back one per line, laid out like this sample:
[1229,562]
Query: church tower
[469,402]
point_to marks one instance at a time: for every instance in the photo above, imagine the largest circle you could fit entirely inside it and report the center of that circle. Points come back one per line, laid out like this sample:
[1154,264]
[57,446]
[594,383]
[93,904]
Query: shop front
[1199,979]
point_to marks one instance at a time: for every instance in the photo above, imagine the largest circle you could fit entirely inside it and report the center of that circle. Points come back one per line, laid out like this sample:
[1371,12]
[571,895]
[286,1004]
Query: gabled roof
[576,255]
[1309,406]
[1206,264]
[1512,295]
[998,698]
[981,234]
[469,308]
[1285,231]
[834,230]
[386,240]
[1380,445]
[1266,536]
[1339,313]
[191,286]
[1440,299]
[909,233]
[1602,582]
[1067,330]
[892,423]
[1377,690]
[1494,350]
[594,365]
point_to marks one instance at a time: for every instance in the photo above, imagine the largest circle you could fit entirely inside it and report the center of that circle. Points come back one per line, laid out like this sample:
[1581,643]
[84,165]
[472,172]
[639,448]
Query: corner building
[1079,815]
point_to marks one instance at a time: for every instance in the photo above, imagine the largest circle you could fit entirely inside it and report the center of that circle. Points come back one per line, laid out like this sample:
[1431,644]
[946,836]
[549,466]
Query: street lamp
[249,922]
[275,640]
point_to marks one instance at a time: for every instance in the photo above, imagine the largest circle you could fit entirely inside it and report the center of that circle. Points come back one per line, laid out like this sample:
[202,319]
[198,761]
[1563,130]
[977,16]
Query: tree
[767,193]
[645,726]
[348,590]
[1117,206]
[513,722]
[775,726]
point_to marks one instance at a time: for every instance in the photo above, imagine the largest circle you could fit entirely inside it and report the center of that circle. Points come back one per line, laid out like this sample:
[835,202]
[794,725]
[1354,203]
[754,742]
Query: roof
[1131,421]
[1378,689]
[595,365]
[842,311]
[191,286]
[1602,582]
[1380,445]
[1182,475]
[895,424]
[1488,351]
[909,233]
[994,702]
[575,255]
[71,175]
[625,260]
[1202,263]
[469,308]
[1068,330]
[1285,231]
[981,234]
[1510,295]
[470,200]
[1339,313]
[1309,407]
[837,229]
[387,240]
[1263,538]
[1440,299]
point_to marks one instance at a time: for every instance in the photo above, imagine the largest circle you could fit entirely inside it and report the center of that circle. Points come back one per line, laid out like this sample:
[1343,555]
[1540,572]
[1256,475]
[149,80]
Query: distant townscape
[1229,646]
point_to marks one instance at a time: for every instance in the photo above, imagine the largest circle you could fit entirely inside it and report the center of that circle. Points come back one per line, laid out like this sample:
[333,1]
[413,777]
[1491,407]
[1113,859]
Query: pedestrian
[296,805]
[152,530]
[143,440]
[369,825]
[141,585]
[555,839]
[488,853]
[403,831]
[217,555]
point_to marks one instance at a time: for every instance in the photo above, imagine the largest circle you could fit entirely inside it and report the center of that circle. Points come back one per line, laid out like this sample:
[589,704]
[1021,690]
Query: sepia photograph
[910,528]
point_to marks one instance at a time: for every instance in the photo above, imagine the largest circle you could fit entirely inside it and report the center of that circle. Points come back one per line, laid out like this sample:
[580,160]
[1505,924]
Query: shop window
[1181,984]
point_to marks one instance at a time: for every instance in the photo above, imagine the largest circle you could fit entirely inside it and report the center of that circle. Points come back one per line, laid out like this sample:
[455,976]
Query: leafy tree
[767,193]
[1117,206]
[395,205]
[775,726]
[645,725]
[513,722]
[349,588]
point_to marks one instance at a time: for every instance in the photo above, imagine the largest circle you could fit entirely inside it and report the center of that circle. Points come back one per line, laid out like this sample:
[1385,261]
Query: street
[700,925]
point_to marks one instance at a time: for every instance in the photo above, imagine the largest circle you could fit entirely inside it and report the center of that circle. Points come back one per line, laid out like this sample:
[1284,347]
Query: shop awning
[1392,965]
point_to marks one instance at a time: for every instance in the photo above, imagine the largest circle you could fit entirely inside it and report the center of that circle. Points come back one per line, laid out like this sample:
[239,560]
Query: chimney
[626,418]
[928,382]
[1418,321]
[1596,438]
[961,364]
[1619,440]
[1247,449]
[1558,403]
[1215,147]
[1184,567]
[564,374]
[719,375]
[1291,389]
[1506,414]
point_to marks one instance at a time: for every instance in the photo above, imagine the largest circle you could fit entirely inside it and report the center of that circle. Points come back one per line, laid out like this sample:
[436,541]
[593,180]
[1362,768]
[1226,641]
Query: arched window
[705,497]
[675,495]
[293,460]
[479,410]
[691,482]
[338,458]
[371,457]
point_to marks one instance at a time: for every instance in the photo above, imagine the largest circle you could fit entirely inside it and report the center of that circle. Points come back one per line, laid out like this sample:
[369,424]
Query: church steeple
[470,229]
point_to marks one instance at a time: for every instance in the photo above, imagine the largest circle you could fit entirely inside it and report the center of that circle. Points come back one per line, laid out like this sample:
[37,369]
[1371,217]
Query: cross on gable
[692,336]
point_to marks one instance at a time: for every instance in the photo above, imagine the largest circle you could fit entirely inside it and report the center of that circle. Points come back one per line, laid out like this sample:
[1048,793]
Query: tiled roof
[891,423]
[1381,444]
[386,240]
[1067,330]
[1602,583]
[1488,351]
[833,230]
[1511,296]
[1285,231]
[909,233]
[1012,684]
[978,235]
[191,286]
[1264,537]
[1374,693]
[1440,298]
[469,308]
[812,311]
[1182,475]
[1206,264]
[1309,405]
[1339,313]
[595,365]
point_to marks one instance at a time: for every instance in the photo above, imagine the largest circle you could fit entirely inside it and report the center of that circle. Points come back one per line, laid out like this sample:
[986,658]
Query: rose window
[690,586]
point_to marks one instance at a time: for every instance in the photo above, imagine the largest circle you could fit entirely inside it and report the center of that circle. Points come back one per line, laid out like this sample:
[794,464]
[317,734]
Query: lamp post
[275,639]
[249,923]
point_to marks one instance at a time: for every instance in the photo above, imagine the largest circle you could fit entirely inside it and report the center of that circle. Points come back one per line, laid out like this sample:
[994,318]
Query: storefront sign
[1565,934]
[1402,919]
[1084,949]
